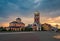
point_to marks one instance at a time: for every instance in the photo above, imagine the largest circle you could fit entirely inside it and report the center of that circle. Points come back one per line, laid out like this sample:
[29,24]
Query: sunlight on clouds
[52,21]
[24,19]
[27,20]
[30,20]
[24,8]
[6,24]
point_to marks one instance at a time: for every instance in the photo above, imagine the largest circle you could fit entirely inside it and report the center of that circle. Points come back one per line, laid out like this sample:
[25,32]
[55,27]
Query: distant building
[55,28]
[36,24]
[17,25]
[29,26]
[46,27]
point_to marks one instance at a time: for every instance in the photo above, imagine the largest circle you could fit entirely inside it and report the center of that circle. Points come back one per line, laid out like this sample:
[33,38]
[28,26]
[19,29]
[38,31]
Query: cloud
[11,9]
[26,20]
[36,1]
[51,14]
[13,6]
[54,20]
[29,6]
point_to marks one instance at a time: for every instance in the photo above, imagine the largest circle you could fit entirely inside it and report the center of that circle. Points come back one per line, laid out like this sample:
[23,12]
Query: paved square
[28,36]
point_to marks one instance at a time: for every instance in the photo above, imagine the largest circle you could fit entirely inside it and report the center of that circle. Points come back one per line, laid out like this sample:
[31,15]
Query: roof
[17,22]
[14,22]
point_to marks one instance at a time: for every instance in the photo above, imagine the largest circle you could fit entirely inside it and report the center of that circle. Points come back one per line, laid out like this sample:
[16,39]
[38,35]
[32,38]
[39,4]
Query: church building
[17,25]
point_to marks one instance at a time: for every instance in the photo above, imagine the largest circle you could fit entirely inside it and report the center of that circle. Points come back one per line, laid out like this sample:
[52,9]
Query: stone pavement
[28,36]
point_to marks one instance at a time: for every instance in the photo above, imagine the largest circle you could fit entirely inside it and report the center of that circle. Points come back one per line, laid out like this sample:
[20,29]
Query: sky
[11,9]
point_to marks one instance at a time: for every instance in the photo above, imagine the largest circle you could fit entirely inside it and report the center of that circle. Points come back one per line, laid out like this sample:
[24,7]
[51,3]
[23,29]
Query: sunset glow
[10,10]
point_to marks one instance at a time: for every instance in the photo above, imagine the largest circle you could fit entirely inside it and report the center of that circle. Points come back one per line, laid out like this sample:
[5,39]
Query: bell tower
[36,24]
[37,17]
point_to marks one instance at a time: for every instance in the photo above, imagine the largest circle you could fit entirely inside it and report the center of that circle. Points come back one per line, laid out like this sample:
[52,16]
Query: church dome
[18,18]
